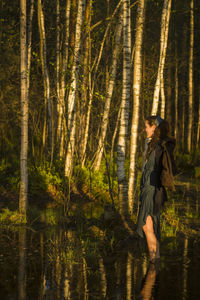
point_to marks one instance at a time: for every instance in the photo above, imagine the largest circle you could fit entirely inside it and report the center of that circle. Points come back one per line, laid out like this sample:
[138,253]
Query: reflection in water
[129,276]
[103,278]
[149,282]
[22,265]
[185,268]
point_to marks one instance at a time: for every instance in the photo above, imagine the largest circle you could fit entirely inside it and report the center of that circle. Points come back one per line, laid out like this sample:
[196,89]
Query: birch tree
[73,91]
[137,77]
[123,127]
[62,61]
[109,93]
[163,47]
[190,102]
[91,83]
[45,72]
[23,197]
[30,23]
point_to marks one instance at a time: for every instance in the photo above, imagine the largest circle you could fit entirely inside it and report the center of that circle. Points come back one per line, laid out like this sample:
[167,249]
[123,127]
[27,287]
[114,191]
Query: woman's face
[149,129]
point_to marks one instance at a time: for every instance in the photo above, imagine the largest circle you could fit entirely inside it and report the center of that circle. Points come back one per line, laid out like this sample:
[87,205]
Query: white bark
[30,23]
[137,77]
[190,102]
[176,99]
[45,72]
[73,90]
[109,93]
[92,85]
[24,112]
[123,128]
[163,48]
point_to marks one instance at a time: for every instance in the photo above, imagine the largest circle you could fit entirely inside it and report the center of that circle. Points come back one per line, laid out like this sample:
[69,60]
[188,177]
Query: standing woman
[157,173]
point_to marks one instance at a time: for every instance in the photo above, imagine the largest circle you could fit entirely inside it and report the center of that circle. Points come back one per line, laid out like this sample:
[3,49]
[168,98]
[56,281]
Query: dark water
[67,263]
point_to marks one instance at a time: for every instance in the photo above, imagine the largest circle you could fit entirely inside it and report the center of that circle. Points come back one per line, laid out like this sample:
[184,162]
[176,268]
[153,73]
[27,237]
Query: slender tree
[23,197]
[190,79]
[46,79]
[163,47]
[73,91]
[109,93]
[137,77]
[123,127]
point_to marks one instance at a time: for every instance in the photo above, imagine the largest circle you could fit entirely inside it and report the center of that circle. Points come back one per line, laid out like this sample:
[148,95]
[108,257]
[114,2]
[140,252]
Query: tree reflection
[22,265]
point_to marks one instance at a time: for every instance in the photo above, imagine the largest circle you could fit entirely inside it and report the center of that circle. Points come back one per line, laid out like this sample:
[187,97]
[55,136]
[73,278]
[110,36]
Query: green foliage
[96,183]
[7,216]
[197,172]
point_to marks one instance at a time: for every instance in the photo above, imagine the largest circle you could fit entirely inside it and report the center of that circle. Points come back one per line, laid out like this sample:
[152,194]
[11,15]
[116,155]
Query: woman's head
[156,126]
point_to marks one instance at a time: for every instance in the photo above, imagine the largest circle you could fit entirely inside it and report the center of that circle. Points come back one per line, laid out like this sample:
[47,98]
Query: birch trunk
[86,80]
[30,22]
[190,108]
[43,53]
[59,105]
[24,112]
[123,128]
[137,77]
[163,48]
[176,99]
[92,85]
[109,93]
[73,90]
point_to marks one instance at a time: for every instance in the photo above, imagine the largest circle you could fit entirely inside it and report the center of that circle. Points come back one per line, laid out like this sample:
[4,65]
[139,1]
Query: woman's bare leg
[152,242]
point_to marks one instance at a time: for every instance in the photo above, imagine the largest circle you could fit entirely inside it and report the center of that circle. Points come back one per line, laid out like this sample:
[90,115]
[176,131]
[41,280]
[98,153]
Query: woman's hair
[160,133]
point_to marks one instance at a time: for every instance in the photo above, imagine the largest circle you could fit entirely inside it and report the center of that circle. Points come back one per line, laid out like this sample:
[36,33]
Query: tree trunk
[73,90]
[92,85]
[29,44]
[109,93]
[190,104]
[23,197]
[85,82]
[123,128]
[45,72]
[176,99]
[163,48]
[137,77]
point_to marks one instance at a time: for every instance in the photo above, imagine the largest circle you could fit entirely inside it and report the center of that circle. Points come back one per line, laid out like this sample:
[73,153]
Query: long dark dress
[150,182]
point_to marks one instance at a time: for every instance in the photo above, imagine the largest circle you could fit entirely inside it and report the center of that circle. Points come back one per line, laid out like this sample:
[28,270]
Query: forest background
[77,80]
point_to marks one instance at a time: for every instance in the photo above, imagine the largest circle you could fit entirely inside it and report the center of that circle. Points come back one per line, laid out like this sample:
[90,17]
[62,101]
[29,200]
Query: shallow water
[66,263]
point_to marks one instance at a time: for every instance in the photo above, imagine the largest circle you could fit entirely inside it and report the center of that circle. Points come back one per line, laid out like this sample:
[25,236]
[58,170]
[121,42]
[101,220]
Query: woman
[157,173]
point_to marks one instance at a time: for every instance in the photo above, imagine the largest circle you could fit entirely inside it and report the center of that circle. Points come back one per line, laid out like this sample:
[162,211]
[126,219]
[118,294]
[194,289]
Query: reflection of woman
[157,172]
[149,283]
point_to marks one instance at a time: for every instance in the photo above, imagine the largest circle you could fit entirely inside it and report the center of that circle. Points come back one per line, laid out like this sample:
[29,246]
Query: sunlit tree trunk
[61,128]
[137,77]
[163,47]
[91,83]
[46,81]
[23,197]
[73,90]
[176,97]
[86,83]
[59,105]
[190,102]
[109,93]
[30,21]
[123,127]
